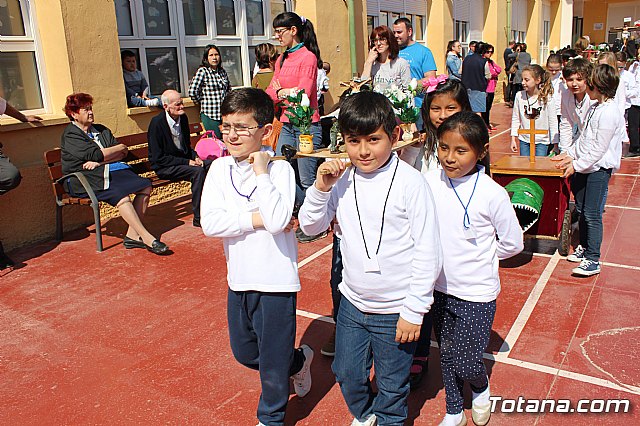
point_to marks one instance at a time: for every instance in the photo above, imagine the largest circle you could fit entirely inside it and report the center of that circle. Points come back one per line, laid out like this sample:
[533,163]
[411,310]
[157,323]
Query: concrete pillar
[440,24]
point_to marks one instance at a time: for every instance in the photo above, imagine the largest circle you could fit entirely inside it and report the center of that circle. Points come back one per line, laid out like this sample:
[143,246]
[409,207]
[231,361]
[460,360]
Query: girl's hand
[406,331]
[514,145]
[329,173]
[90,165]
[373,55]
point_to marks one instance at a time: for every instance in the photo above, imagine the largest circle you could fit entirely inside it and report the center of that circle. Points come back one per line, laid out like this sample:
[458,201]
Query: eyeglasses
[489,51]
[240,129]
[379,40]
[279,31]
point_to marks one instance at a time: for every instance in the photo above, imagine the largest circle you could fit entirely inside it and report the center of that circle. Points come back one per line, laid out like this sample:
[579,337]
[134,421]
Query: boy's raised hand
[407,332]
[260,162]
[328,174]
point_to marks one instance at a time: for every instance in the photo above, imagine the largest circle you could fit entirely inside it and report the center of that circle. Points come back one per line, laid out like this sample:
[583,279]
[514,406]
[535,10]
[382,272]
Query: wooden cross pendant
[532,132]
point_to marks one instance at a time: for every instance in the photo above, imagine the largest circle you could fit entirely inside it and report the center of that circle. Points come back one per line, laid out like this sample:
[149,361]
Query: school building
[52,48]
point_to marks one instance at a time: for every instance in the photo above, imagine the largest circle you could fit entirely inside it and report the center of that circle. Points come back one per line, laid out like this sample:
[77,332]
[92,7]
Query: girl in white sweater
[481,228]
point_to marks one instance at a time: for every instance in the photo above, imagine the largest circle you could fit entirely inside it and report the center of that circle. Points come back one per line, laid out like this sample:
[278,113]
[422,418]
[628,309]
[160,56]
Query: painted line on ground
[313,316]
[626,174]
[608,206]
[529,305]
[314,256]
[501,133]
[613,265]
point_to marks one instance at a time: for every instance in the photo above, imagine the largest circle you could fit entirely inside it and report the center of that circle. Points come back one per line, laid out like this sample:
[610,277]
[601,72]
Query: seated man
[9,174]
[170,151]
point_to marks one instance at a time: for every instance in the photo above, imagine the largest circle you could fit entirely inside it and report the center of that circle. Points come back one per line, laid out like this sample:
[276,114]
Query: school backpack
[209,147]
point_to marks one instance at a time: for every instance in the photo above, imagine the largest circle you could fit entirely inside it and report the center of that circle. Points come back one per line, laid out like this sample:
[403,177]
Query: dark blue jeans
[306,166]
[262,332]
[589,191]
[336,276]
[364,339]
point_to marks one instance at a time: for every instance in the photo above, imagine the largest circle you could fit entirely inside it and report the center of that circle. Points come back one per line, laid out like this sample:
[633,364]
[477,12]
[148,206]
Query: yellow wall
[595,11]
[440,30]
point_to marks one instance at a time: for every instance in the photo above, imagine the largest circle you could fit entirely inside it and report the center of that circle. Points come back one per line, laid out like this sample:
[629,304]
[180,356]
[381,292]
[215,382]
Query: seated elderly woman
[93,150]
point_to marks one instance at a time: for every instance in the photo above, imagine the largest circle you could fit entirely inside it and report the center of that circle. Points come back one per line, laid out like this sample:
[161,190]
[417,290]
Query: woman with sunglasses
[383,64]
[296,69]
[495,71]
[209,87]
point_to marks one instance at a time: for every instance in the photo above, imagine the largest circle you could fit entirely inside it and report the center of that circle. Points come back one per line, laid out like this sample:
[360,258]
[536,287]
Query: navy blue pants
[462,329]
[336,276]
[262,332]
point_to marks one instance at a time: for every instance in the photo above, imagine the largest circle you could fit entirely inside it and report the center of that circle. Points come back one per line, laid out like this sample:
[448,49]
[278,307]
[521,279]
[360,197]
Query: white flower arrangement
[403,101]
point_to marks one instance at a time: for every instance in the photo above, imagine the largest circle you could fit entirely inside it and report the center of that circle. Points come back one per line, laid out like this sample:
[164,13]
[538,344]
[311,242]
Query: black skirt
[121,183]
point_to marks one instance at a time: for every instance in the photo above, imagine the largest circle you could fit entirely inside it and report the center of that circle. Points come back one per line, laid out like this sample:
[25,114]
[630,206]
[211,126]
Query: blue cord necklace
[248,197]
[466,221]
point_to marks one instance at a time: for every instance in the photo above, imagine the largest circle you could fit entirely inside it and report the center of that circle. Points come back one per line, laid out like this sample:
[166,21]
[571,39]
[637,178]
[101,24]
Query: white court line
[314,256]
[608,206]
[613,265]
[529,305]
[626,174]
[501,133]
[504,359]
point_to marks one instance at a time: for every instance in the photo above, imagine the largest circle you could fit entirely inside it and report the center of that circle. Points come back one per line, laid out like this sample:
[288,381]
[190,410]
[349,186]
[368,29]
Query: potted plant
[404,106]
[300,115]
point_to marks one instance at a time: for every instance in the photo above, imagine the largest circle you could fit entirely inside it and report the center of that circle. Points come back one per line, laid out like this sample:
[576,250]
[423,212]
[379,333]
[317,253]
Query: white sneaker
[371,421]
[577,256]
[447,421]
[302,379]
[480,413]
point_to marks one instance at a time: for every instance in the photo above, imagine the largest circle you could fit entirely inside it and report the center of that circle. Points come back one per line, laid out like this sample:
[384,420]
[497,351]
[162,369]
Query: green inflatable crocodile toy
[526,198]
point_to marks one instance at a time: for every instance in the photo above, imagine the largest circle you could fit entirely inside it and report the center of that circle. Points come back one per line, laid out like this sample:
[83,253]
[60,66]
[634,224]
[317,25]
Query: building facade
[52,48]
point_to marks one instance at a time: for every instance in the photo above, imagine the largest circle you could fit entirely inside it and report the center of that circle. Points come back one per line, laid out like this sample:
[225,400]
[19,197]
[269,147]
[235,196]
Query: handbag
[514,67]
[209,147]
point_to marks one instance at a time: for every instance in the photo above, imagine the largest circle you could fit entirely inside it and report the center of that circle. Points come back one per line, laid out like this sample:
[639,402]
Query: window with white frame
[169,36]
[461,33]
[20,75]
[371,24]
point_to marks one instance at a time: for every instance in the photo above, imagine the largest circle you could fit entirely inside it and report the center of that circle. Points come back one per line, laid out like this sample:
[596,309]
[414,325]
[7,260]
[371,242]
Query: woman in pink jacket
[491,86]
[297,68]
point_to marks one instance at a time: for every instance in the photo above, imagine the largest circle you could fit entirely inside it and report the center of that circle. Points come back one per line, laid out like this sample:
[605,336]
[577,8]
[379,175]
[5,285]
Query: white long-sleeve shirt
[600,144]
[263,260]
[418,159]
[574,115]
[470,269]
[556,83]
[410,257]
[547,120]
[632,91]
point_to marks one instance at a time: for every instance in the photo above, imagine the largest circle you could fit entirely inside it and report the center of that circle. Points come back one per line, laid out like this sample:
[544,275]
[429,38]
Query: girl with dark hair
[593,158]
[472,210]
[494,70]
[296,69]
[383,64]
[454,59]
[209,87]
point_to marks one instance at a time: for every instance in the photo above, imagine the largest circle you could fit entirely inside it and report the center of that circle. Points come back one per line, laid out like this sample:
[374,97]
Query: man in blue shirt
[419,57]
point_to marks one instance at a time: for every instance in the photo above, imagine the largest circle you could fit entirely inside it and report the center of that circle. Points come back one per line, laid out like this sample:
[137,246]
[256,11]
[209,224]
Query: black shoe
[5,262]
[157,247]
[419,368]
[632,154]
[130,243]
[304,238]
[196,223]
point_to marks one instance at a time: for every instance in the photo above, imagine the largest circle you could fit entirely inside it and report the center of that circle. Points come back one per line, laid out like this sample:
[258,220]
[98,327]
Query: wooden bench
[138,159]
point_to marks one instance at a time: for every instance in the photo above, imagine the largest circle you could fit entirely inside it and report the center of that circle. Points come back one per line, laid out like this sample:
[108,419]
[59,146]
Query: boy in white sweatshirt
[391,253]
[250,206]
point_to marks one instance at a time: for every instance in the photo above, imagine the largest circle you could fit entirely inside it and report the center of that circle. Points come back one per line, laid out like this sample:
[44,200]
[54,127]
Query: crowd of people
[435,263]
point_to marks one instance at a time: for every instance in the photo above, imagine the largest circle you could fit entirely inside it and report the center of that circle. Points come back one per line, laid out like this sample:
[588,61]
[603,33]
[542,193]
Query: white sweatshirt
[547,120]
[632,91]
[573,117]
[600,144]
[556,83]
[416,157]
[263,260]
[410,257]
[470,269]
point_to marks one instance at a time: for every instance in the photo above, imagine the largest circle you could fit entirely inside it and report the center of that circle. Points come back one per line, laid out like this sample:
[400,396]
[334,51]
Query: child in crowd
[481,228]
[574,101]
[135,84]
[534,102]
[633,116]
[250,206]
[392,256]
[266,56]
[554,68]
[620,98]
[594,156]
[445,96]
[323,84]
